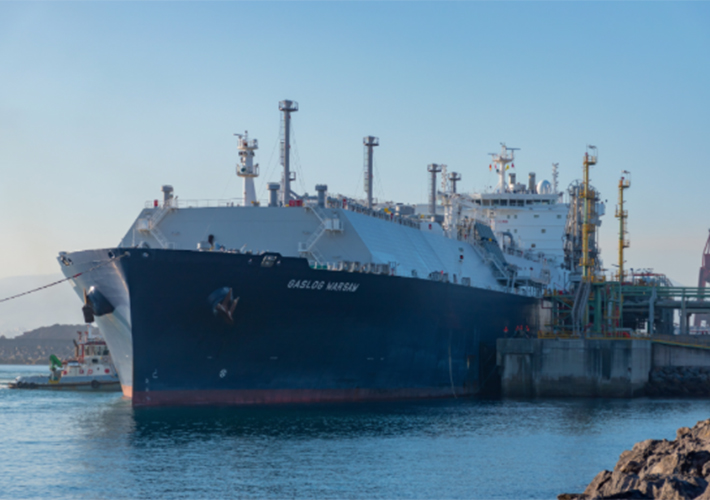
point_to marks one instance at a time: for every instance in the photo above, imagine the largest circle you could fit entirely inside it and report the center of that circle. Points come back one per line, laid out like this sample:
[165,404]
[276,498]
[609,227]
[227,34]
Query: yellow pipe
[587,229]
[585,221]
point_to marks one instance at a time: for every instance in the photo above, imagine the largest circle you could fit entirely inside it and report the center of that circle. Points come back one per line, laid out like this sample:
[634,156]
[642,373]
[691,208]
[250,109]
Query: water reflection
[467,448]
[452,418]
[346,421]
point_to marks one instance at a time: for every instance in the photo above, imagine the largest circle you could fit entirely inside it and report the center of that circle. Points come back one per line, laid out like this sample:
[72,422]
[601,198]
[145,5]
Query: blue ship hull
[296,334]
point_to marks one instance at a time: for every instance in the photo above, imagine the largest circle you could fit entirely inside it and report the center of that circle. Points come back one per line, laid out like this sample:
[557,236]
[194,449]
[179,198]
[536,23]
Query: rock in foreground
[653,469]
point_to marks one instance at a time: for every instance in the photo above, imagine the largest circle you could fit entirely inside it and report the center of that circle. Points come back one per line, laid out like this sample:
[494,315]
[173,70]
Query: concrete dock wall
[573,367]
[674,354]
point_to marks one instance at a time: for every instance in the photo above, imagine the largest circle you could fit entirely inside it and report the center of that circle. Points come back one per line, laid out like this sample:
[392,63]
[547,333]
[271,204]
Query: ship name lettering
[306,284]
[331,286]
[341,286]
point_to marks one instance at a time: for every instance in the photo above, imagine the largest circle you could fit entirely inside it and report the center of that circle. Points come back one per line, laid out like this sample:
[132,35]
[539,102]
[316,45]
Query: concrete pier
[681,351]
[612,368]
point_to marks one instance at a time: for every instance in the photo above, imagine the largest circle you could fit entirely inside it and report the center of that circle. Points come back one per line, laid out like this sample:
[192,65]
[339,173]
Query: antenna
[555,175]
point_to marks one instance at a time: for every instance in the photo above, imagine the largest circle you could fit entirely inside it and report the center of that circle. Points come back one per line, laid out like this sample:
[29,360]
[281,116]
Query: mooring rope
[112,259]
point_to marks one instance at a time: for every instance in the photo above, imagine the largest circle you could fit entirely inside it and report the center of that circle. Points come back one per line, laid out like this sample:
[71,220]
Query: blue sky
[102,103]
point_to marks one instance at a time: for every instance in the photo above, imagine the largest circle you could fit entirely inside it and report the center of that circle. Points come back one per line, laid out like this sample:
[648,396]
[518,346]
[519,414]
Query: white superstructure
[526,218]
[509,239]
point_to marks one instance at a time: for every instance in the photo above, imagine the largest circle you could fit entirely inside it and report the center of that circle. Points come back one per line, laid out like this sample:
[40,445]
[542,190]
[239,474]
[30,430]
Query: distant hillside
[35,346]
[54,332]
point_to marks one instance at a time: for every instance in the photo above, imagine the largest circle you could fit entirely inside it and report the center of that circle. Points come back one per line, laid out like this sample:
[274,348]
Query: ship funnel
[321,189]
[433,169]
[167,195]
[511,181]
[531,182]
[454,177]
[286,107]
[369,142]
[274,193]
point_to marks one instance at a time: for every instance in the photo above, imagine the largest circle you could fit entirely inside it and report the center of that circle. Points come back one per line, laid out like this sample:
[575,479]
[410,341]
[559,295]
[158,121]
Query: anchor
[95,304]
[87,309]
[223,305]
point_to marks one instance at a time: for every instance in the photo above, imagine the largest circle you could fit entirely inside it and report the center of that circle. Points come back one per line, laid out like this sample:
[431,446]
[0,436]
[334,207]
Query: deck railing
[178,203]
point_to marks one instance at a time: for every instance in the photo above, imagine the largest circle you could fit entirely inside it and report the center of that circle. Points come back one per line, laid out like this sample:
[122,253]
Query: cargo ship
[323,298]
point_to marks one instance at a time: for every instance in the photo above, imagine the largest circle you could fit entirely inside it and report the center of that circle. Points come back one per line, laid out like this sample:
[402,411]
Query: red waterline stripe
[282,396]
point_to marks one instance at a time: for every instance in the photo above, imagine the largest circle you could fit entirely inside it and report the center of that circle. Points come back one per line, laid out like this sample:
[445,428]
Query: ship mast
[369,142]
[507,155]
[433,169]
[246,169]
[286,107]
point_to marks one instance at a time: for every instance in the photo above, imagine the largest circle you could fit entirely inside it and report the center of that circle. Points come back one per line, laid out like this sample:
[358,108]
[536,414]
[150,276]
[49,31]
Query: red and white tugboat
[91,368]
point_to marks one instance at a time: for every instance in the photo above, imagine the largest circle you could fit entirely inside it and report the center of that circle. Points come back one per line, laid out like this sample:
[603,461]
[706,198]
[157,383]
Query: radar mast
[246,169]
[501,161]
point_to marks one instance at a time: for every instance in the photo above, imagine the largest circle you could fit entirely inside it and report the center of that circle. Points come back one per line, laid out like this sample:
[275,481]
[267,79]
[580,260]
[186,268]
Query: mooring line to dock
[112,259]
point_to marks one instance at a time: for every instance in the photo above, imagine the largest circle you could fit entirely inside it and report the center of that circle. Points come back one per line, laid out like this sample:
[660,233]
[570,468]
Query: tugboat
[91,369]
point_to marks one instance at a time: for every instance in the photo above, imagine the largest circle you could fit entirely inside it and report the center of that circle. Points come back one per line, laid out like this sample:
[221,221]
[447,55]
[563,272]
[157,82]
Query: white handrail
[178,203]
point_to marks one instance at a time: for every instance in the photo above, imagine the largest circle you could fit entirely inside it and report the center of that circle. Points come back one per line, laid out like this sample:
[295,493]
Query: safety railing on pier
[609,302]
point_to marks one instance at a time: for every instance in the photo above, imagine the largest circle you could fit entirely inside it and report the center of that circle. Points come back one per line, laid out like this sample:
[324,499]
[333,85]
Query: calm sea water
[86,446]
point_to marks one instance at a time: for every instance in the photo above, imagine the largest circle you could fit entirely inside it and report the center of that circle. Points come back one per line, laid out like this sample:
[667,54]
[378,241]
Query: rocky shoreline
[679,381]
[657,469]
